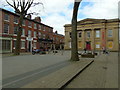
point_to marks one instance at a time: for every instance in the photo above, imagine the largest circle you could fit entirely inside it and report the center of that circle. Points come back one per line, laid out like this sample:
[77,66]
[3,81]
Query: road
[20,70]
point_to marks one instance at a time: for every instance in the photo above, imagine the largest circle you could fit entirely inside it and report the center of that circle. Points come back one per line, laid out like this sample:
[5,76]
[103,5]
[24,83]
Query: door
[29,46]
[88,45]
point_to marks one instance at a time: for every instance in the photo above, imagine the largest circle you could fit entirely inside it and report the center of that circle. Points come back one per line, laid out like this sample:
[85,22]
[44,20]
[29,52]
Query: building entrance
[88,45]
[29,46]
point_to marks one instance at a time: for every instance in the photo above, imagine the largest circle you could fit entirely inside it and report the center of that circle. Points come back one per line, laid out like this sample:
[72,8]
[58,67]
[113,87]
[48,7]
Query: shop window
[6,45]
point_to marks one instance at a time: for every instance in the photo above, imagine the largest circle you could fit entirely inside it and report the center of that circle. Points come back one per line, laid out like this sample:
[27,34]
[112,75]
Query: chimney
[38,19]
[56,32]
[29,16]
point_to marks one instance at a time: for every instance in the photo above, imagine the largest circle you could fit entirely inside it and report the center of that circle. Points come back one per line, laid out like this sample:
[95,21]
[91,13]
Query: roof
[94,21]
[1,9]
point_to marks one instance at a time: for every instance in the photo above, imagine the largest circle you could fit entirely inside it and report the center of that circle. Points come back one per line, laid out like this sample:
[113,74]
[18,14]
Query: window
[69,44]
[40,27]
[23,23]
[43,36]
[29,24]
[16,20]
[80,44]
[35,26]
[6,28]
[110,44]
[35,34]
[70,34]
[44,28]
[6,45]
[34,45]
[23,32]
[15,29]
[29,33]
[110,33]
[97,45]
[80,34]
[97,34]
[14,44]
[39,34]
[22,44]
[6,17]
[88,34]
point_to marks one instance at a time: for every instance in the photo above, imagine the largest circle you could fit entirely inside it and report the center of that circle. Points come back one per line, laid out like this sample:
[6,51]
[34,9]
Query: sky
[57,13]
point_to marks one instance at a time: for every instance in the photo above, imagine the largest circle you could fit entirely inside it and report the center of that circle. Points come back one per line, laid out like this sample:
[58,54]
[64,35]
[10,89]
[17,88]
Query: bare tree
[21,7]
[74,48]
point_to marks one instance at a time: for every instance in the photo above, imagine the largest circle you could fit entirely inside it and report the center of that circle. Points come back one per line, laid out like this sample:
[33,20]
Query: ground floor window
[34,45]
[80,44]
[110,44]
[22,44]
[97,45]
[6,45]
[69,44]
[14,44]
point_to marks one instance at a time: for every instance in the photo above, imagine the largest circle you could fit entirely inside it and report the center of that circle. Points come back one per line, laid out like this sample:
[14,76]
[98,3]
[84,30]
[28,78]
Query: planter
[87,56]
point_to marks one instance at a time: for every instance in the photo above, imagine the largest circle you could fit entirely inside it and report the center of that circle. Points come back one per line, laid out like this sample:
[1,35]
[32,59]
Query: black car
[38,51]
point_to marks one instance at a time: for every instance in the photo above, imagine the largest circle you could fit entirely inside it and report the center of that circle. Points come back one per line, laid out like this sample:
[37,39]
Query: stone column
[93,40]
[83,39]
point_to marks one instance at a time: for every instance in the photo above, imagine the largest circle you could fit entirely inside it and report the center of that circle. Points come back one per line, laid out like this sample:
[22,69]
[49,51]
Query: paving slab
[61,77]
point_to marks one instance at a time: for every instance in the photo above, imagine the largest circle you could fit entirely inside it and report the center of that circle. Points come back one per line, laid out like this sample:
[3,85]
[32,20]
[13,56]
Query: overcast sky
[57,13]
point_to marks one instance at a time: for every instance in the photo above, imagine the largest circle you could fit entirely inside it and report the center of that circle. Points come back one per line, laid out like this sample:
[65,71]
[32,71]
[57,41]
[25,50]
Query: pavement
[102,72]
[61,77]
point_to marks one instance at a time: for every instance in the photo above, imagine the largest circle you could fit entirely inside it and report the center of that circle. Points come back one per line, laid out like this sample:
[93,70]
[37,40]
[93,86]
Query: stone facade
[96,33]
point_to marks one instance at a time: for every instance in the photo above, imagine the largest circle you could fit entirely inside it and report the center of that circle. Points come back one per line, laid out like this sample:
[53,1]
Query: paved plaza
[27,70]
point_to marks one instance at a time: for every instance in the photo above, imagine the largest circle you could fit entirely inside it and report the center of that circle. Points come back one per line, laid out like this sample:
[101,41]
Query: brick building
[95,34]
[35,35]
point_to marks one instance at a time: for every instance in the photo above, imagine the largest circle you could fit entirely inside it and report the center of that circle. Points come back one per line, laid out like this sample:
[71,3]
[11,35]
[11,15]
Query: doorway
[88,45]
[29,46]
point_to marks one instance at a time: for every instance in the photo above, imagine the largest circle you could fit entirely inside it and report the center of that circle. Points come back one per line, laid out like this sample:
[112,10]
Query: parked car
[38,51]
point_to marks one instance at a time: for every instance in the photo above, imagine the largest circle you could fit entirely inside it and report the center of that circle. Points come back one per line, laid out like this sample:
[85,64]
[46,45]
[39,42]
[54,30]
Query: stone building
[95,34]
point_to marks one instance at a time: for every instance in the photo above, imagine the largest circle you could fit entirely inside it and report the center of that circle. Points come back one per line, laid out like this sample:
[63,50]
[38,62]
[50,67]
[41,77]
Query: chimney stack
[37,19]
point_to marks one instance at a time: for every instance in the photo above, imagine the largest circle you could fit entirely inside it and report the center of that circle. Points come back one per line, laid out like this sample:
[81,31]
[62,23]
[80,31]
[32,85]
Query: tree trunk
[74,48]
[19,32]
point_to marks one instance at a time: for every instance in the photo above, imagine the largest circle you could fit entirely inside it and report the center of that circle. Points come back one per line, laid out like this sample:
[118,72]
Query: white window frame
[29,33]
[35,34]
[110,34]
[29,24]
[22,46]
[8,28]
[23,32]
[97,33]
[8,17]
[15,19]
